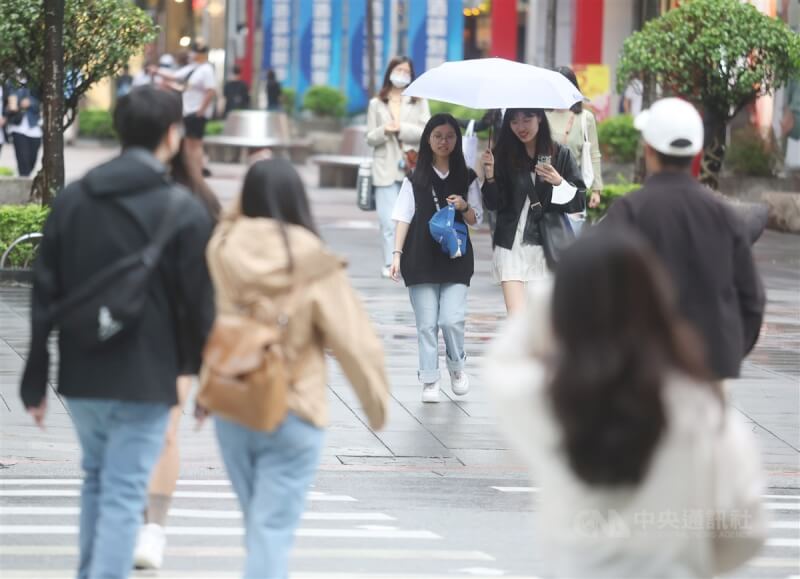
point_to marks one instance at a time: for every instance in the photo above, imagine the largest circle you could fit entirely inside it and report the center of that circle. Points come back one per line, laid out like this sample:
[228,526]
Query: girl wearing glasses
[437,284]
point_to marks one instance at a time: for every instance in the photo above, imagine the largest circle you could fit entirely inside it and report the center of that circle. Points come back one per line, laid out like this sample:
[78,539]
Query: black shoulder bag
[110,304]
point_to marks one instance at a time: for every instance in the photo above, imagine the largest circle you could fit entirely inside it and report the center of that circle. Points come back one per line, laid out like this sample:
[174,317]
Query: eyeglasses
[443,138]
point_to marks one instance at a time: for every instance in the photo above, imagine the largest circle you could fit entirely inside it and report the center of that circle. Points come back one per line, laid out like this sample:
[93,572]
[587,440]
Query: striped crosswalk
[39,521]
[781,551]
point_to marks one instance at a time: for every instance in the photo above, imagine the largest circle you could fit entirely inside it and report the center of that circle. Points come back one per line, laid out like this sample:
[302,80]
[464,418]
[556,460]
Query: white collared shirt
[405,206]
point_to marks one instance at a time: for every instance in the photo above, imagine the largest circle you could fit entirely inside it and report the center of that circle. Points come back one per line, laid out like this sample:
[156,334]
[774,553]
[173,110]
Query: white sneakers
[430,392]
[459,384]
[150,546]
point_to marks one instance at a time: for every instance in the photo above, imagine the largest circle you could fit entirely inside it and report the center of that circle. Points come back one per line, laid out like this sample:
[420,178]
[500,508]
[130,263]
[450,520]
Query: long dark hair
[422,179]
[189,173]
[510,151]
[387,84]
[577,108]
[272,189]
[619,335]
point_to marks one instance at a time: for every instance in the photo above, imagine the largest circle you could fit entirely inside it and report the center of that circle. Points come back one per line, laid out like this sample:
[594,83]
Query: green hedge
[96,124]
[610,194]
[16,221]
[618,138]
[214,128]
[460,113]
[749,155]
[325,101]
[289,100]
[6,172]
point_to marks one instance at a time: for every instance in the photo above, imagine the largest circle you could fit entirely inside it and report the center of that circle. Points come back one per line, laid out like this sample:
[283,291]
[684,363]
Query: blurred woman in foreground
[644,469]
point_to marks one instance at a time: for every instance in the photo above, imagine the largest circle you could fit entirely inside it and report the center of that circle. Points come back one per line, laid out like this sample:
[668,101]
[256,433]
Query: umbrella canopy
[495,83]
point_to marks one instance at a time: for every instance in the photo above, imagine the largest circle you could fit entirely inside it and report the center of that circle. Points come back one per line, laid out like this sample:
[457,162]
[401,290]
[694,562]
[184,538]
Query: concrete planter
[15,190]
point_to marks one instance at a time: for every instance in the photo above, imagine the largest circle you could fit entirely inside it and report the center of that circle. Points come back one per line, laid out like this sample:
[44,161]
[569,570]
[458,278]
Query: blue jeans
[439,306]
[120,442]
[385,198]
[271,473]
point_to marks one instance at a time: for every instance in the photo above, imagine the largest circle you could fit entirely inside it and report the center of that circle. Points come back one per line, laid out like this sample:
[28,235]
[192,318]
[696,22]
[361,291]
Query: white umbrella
[495,83]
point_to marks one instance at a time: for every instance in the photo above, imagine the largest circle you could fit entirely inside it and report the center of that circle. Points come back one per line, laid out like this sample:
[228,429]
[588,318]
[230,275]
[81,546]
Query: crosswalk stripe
[783,542]
[61,493]
[196,514]
[774,563]
[523,489]
[70,574]
[517,489]
[235,552]
[782,506]
[371,533]
[784,525]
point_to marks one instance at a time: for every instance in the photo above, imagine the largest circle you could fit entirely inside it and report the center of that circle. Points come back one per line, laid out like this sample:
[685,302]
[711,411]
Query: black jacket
[110,213]
[507,194]
[706,249]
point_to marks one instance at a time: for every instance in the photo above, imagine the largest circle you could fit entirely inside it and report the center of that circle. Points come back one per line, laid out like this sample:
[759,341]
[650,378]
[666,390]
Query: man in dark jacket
[119,396]
[702,242]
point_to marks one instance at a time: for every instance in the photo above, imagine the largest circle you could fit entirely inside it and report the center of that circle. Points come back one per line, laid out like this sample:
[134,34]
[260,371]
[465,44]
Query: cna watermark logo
[610,524]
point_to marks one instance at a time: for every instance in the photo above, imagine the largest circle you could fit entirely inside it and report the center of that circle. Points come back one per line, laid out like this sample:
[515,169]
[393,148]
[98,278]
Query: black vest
[423,260]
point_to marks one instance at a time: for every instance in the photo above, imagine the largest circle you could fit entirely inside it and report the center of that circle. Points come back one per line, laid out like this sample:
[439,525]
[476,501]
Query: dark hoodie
[111,213]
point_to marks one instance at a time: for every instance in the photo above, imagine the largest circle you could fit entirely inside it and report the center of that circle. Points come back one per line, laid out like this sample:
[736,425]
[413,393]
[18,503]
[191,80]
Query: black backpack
[110,303]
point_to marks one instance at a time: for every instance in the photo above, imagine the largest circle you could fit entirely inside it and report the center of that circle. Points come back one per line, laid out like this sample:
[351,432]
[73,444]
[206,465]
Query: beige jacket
[705,464]
[248,263]
[388,153]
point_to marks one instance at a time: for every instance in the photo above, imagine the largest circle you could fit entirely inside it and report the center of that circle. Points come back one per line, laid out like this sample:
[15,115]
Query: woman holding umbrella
[533,175]
[437,284]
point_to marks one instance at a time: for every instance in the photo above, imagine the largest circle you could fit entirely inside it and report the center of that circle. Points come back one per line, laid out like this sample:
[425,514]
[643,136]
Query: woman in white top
[394,126]
[437,284]
[644,470]
[574,128]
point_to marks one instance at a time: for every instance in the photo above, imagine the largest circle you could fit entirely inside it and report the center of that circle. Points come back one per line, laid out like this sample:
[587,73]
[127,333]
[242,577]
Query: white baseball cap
[672,126]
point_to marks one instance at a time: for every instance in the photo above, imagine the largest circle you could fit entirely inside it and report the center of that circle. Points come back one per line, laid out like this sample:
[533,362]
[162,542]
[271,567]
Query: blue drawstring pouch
[451,235]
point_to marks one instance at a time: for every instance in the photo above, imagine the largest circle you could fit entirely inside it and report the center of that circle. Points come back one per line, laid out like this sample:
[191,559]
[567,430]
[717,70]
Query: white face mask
[400,80]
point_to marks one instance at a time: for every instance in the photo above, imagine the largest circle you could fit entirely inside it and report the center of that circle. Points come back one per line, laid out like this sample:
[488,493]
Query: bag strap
[585,127]
[152,252]
[569,127]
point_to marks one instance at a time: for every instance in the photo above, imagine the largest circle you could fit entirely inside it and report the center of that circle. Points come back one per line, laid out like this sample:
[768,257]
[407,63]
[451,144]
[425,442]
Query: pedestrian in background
[268,256]
[124,82]
[199,89]
[437,284]
[790,126]
[274,92]
[24,126]
[532,175]
[3,97]
[118,380]
[644,469]
[576,128]
[702,242]
[236,92]
[152,540]
[394,127]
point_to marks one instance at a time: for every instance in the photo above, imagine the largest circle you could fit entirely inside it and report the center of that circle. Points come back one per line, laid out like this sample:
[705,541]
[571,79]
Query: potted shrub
[327,107]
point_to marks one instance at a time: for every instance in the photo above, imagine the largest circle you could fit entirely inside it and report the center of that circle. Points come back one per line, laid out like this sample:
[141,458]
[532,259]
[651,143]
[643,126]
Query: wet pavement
[457,498]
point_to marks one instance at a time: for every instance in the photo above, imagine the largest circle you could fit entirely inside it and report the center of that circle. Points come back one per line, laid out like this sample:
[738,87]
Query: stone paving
[457,434]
